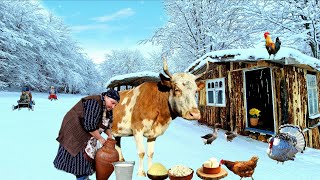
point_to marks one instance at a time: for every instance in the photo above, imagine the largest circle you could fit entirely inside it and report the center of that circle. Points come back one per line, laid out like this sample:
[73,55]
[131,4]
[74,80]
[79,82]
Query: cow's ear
[165,81]
[200,85]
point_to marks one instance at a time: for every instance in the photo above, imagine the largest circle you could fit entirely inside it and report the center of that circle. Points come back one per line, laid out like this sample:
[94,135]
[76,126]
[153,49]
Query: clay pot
[207,170]
[254,121]
[104,158]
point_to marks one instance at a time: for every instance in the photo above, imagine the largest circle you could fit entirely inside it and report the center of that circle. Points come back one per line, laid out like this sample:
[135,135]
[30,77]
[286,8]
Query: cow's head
[183,88]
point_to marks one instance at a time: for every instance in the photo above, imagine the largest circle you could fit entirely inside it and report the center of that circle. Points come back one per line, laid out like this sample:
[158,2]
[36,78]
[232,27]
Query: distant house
[128,81]
[285,89]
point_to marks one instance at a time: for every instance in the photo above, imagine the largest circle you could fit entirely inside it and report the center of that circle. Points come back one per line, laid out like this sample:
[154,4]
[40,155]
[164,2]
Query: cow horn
[165,67]
[205,72]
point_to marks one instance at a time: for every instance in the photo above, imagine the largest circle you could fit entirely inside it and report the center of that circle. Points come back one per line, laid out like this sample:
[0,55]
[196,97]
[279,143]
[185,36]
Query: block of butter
[211,163]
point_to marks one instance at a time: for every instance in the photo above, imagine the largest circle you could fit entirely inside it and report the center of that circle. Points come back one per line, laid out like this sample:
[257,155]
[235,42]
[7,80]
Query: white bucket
[123,170]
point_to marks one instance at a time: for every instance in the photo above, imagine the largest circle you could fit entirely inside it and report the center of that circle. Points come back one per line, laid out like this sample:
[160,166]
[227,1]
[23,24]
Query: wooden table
[223,173]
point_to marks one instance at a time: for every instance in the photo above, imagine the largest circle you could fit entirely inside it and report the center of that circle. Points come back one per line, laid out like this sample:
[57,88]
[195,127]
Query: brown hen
[242,168]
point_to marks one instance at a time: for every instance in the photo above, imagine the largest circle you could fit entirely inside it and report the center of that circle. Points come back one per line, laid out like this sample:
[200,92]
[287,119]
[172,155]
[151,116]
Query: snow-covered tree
[36,49]
[154,61]
[196,27]
[122,61]
[297,22]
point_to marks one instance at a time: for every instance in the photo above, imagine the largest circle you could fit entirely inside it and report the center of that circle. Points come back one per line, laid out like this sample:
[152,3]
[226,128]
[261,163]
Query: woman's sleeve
[92,113]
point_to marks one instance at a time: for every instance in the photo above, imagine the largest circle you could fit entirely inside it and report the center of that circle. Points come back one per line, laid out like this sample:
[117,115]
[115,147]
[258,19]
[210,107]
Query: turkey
[285,145]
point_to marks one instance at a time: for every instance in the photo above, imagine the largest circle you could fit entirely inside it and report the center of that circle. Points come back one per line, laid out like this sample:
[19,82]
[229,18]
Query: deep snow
[28,145]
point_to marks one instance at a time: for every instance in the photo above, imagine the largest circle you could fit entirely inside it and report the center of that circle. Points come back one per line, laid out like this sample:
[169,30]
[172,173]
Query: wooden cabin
[131,80]
[285,89]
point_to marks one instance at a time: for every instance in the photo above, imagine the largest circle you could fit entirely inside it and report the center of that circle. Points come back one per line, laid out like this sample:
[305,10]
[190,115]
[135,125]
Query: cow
[148,109]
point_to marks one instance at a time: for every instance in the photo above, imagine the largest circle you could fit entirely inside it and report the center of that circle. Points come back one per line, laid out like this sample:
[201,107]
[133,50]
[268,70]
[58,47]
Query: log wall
[289,91]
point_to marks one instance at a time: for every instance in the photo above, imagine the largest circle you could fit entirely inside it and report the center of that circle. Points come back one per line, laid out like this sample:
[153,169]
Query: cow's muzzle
[193,114]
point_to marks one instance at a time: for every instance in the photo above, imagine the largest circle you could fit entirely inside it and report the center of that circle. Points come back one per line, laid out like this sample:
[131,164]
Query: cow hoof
[142,173]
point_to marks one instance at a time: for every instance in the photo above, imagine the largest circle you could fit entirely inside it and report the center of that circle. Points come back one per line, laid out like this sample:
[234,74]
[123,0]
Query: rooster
[285,145]
[242,168]
[230,135]
[209,138]
[272,47]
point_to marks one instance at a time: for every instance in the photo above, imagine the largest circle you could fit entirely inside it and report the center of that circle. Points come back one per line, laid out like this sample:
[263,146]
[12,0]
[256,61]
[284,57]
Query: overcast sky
[102,25]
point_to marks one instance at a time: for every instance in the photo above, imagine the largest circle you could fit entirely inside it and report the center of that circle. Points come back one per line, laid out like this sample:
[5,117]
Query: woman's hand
[97,135]
[108,132]
[101,141]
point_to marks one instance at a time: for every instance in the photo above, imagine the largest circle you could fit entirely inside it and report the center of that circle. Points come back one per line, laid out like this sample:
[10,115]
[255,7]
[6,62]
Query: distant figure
[24,98]
[52,94]
[31,102]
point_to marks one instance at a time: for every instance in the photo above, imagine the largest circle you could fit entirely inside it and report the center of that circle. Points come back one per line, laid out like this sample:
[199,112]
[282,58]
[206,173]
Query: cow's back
[142,108]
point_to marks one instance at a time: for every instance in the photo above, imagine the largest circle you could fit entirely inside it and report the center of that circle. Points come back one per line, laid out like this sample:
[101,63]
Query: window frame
[314,88]
[223,89]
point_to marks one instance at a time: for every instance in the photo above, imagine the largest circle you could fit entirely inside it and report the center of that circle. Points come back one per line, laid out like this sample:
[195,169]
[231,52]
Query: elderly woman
[81,131]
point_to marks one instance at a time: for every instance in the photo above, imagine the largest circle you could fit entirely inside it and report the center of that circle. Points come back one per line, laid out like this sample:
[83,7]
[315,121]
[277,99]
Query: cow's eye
[177,91]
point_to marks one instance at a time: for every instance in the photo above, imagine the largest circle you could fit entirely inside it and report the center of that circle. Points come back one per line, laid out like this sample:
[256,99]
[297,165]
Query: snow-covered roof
[132,78]
[254,54]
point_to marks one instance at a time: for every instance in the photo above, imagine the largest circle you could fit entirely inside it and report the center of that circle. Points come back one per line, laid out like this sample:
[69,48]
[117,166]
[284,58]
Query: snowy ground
[28,145]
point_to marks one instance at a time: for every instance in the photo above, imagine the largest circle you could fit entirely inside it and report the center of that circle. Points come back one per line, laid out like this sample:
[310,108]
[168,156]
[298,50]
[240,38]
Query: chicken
[230,135]
[242,168]
[272,47]
[209,138]
[285,145]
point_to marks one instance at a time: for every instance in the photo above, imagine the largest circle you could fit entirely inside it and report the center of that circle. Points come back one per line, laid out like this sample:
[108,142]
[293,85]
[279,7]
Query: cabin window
[197,98]
[312,94]
[216,92]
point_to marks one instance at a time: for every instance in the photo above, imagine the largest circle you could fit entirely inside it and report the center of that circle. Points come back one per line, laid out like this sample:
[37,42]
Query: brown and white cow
[148,109]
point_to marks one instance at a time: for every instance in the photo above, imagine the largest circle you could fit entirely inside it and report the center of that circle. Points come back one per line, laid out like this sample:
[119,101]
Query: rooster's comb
[266,34]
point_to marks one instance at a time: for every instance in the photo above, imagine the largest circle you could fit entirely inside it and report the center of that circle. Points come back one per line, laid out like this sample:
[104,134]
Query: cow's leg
[150,145]
[140,148]
[118,148]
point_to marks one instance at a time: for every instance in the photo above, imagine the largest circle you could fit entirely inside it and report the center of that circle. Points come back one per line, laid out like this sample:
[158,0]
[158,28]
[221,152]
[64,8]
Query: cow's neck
[173,114]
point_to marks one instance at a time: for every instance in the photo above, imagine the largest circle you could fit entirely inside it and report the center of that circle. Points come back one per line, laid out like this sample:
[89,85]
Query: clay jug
[104,158]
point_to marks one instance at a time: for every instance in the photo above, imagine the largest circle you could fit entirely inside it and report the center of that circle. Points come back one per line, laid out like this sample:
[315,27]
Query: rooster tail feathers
[297,133]
[278,42]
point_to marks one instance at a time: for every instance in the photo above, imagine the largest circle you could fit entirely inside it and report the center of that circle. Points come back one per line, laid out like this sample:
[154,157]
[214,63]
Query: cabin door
[259,95]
